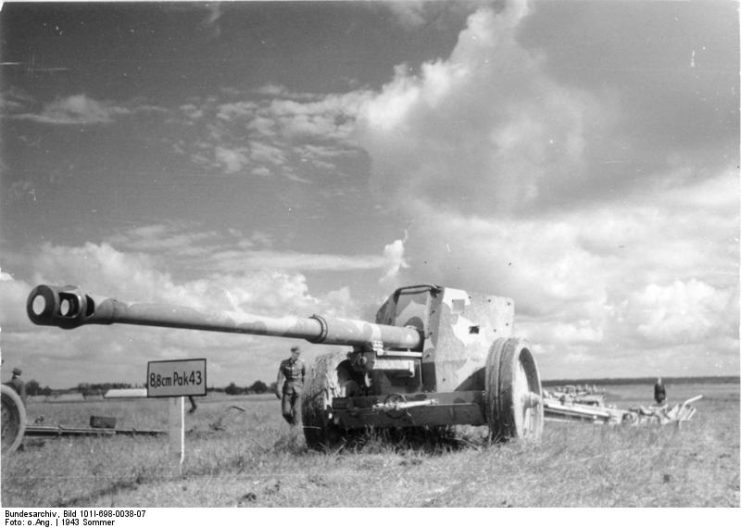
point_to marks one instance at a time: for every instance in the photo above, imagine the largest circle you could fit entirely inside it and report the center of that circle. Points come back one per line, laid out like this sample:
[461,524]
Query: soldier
[659,392]
[290,385]
[17,384]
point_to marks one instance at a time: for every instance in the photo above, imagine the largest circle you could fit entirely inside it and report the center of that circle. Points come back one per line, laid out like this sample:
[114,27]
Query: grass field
[250,458]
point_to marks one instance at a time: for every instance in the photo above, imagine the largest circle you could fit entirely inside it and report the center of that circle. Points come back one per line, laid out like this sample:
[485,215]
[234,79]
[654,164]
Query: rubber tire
[13,420]
[322,385]
[511,373]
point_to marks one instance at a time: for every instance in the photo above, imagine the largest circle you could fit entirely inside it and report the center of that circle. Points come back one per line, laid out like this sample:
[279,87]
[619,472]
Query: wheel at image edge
[14,420]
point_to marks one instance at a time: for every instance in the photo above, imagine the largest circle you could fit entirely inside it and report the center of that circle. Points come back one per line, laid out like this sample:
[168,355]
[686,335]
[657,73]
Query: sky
[280,158]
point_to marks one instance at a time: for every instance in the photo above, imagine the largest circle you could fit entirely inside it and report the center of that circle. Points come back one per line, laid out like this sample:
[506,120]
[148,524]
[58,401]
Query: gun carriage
[435,356]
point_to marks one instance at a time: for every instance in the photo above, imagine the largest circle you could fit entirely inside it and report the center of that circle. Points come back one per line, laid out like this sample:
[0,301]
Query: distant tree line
[33,388]
[88,389]
[259,387]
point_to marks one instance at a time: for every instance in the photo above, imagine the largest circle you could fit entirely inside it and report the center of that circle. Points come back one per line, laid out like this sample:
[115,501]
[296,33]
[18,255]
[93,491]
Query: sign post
[175,379]
[176,426]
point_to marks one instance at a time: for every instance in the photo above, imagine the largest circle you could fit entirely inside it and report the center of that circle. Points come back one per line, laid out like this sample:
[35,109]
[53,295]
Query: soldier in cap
[17,384]
[290,385]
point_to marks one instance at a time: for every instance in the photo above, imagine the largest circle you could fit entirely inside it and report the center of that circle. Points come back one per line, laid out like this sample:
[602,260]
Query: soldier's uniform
[17,384]
[659,392]
[291,373]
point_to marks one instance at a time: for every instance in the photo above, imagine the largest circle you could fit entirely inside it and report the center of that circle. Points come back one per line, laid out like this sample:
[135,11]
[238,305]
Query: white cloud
[260,152]
[120,352]
[331,117]
[191,111]
[274,134]
[81,109]
[489,157]
[13,294]
[247,279]
[77,110]
[99,267]
[232,252]
[414,14]
[408,13]
[177,241]
[485,131]
[493,163]
[681,312]
[230,159]
[657,274]
[242,109]
[232,261]
[393,254]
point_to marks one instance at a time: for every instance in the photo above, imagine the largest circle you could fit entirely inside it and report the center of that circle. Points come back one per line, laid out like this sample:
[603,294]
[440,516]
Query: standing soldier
[290,385]
[17,384]
[659,392]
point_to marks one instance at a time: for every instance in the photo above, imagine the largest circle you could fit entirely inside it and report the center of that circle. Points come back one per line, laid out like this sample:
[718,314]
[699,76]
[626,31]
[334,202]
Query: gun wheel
[327,379]
[514,404]
[14,420]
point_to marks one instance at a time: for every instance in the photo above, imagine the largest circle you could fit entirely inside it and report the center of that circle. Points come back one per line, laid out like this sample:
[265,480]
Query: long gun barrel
[68,307]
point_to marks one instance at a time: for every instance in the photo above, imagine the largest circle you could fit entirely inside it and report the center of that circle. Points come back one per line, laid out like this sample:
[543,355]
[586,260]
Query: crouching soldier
[290,386]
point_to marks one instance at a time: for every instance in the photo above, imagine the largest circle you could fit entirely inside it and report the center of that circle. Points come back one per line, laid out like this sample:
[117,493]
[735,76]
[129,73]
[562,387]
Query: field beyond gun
[240,453]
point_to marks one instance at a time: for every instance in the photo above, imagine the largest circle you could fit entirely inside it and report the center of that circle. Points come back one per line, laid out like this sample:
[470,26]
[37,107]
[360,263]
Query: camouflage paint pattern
[450,330]
[422,363]
[321,387]
[466,324]
[458,329]
[68,307]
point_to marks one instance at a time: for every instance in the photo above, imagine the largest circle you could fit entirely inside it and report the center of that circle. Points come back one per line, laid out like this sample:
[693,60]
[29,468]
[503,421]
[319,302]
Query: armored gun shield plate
[513,391]
[14,420]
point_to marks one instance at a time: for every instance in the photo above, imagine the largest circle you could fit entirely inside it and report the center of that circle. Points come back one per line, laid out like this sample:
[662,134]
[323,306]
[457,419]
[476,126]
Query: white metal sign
[181,377]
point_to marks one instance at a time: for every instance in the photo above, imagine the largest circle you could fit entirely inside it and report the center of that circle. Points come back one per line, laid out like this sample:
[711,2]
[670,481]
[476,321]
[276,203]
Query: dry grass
[251,459]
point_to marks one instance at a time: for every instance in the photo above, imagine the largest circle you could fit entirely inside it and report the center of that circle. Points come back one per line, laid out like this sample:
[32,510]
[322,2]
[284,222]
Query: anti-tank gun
[435,356]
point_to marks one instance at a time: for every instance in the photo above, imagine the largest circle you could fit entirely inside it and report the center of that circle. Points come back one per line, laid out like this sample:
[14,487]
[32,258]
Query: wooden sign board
[180,377]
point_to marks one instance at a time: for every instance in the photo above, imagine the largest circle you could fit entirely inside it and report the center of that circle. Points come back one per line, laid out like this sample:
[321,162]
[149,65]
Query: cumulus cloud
[415,14]
[249,278]
[278,133]
[494,161]
[590,280]
[136,276]
[494,164]
[13,295]
[681,312]
[484,131]
[232,160]
[122,351]
[393,254]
